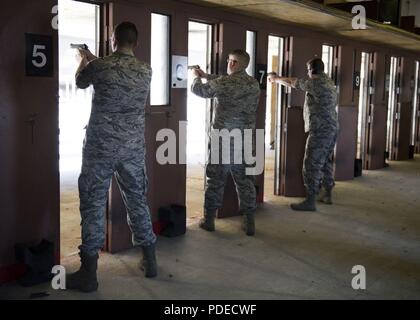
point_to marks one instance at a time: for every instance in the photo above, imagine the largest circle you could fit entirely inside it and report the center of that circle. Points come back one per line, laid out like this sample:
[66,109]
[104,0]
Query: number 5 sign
[39,55]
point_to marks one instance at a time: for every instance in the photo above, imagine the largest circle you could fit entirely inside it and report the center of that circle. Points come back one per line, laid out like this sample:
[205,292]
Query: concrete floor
[375,222]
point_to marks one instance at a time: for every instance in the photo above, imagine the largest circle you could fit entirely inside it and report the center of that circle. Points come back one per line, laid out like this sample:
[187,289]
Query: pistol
[79,46]
[193,67]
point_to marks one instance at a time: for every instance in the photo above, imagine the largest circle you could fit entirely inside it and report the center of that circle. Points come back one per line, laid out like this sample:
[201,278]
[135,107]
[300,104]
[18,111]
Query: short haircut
[316,65]
[126,33]
[243,57]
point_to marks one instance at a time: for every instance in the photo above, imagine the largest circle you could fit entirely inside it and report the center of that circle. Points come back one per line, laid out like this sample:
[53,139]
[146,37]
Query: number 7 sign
[261,75]
[39,55]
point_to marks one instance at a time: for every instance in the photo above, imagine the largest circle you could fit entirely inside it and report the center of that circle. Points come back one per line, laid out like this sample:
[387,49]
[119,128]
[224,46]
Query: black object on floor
[38,259]
[37,295]
[411,152]
[174,220]
[357,167]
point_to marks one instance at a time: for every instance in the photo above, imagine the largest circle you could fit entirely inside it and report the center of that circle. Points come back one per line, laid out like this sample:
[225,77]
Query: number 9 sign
[39,55]
[356,83]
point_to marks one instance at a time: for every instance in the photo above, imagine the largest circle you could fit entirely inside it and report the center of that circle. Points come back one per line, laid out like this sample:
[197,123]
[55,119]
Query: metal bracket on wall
[295,107]
[216,46]
[31,121]
[167,113]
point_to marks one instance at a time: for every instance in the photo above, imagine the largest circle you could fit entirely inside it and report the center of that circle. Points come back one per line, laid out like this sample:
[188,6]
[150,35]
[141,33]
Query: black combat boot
[307,205]
[207,223]
[85,279]
[325,196]
[148,262]
[249,224]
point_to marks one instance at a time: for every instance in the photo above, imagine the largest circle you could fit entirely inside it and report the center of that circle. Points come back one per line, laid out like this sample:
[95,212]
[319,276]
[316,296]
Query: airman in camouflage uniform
[321,124]
[236,95]
[114,143]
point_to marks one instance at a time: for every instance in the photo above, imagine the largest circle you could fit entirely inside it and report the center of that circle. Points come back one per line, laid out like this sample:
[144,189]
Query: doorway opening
[392,104]
[198,118]
[273,118]
[363,107]
[78,23]
[331,58]
[416,111]
[328,59]
[251,49]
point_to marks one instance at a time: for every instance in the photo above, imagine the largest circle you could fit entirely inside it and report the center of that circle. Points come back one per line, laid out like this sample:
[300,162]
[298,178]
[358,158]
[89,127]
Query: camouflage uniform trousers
[94,182]
[216,179]
[318,164]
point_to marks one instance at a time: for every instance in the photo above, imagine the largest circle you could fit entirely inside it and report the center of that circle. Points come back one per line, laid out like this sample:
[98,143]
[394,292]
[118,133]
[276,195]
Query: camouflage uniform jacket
[121,86]
[319,111]
[237,96]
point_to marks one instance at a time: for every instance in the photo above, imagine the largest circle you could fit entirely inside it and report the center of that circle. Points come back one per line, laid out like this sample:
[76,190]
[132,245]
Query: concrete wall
[29,183]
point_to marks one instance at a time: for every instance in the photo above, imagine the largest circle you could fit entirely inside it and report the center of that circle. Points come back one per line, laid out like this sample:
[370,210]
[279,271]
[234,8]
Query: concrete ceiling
[316,16]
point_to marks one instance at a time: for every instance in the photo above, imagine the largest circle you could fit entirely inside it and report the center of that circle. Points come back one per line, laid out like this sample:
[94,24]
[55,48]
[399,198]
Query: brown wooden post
[417,116]
[375,156]
[280,168]
[261,59]
[405,108]
[157,117]
[118,235]
[232,36]
[367,143]
[345,152]
[303,49]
